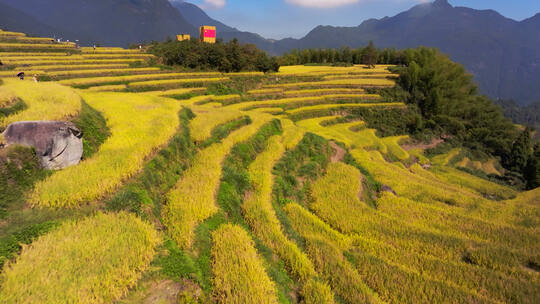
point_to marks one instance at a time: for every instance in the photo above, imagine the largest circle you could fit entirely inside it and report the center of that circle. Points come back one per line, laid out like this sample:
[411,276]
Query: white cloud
[322,3]
[210,4]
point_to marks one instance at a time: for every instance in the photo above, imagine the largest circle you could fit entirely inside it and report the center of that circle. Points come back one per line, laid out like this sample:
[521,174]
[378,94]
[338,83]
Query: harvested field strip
[193,199]
[344,106]
[296,102]
[174,82]
[339,82]
[139,124]
[126,79]
[239,276]
[94,260]
[206,120]
[48,100]
[260,215]
[104,72]
[324,249]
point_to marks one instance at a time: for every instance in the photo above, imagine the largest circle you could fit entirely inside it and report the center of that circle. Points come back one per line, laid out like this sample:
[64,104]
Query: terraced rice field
[273,192]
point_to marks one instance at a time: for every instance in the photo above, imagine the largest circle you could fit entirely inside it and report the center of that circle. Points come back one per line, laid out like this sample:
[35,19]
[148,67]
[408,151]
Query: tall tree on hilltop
[370,55]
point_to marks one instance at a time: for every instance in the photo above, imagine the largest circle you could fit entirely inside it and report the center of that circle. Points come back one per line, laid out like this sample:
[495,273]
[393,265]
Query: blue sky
[295,18]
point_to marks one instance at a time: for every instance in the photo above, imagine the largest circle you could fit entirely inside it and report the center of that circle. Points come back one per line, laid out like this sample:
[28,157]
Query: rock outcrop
[58,144]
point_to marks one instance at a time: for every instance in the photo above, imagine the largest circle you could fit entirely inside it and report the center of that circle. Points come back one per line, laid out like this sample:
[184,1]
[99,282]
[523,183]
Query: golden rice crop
[274,111]
[260,215]
[301,101]
[392,144]
[108,71]
[444,159]
[13,73]
[244,74]
[174,82]
[265,91]
[324,247]
[65,61]
[419,155]
[192,200]
[139,124]
[31,54]
[94,260]
[358,82]
[352,134]
[201,126]
[44,100]
[14,34]
[79,66]
[110,88]
[129,78]
[449,221]
[7,97]
[292,134]
[239,275]
[225,98]
[363,76]
[472,279]
[465,180]
[344,106]
[34,39]
[328,70]
[336,194]
[315,292]
[173,92]
[34,46]
[108,50]
[118,56]
[315,92]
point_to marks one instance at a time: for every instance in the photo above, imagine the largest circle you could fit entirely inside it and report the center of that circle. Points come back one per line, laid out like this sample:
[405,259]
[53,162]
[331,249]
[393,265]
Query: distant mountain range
[502,54]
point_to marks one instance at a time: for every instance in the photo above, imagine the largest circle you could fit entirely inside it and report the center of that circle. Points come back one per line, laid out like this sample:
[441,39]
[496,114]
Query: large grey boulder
[57,143]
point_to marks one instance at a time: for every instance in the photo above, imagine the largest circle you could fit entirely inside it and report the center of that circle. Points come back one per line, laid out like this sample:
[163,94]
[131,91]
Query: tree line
[224,57]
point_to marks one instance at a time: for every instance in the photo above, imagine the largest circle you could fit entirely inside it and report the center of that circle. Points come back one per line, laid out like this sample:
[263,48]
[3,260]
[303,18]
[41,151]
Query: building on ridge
[183,37]
[208,34]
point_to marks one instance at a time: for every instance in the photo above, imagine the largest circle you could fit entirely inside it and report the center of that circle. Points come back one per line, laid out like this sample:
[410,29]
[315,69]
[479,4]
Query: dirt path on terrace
[339,152]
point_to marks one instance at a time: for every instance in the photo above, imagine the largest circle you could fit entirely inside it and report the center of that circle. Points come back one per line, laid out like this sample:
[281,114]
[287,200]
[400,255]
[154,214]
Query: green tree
[531,172]
[521,152]
[370,55]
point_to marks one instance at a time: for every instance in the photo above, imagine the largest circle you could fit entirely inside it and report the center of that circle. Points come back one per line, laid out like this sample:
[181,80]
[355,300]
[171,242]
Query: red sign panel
[210,33]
